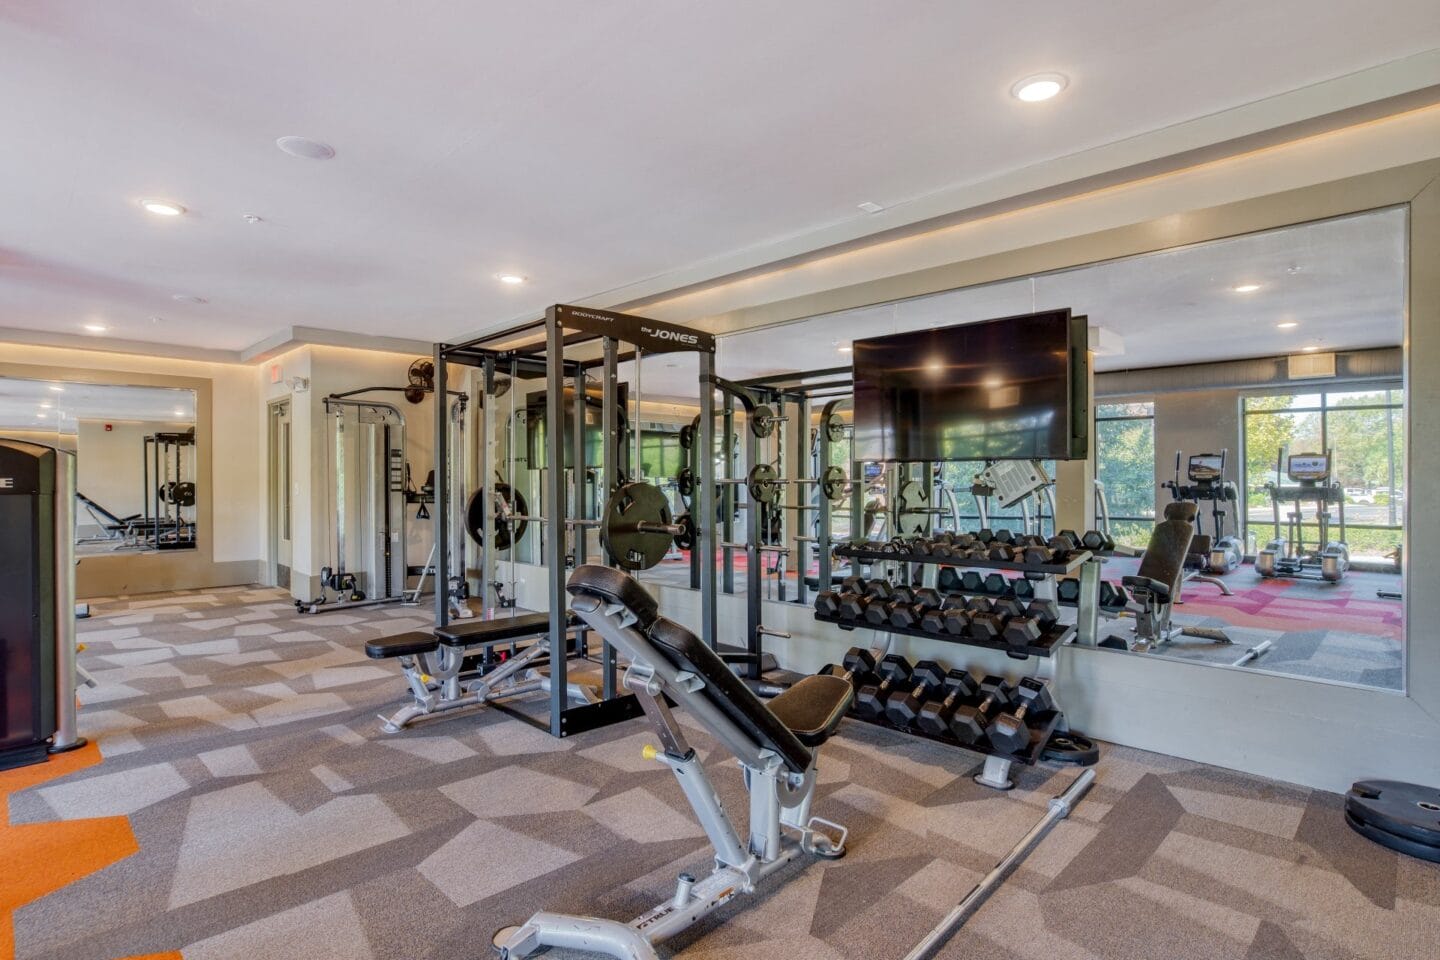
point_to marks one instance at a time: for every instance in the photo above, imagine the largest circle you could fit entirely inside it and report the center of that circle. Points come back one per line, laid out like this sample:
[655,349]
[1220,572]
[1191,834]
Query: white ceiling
[1341,281]
[585,145]
[60,404]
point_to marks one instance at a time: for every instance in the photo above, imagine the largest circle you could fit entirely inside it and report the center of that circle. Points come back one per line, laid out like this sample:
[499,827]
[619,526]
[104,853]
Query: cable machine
[168,458]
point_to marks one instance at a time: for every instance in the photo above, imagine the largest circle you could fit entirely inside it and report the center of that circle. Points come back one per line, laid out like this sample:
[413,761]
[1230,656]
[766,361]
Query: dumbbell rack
[1081,564]
[1047,725]
[1045,647]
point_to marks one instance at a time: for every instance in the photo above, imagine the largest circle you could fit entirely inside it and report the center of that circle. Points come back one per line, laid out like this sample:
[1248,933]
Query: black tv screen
[1008,389]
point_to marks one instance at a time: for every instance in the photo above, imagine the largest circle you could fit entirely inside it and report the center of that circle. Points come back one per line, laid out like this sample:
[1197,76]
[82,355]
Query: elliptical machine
[1218,553]
[1287,556]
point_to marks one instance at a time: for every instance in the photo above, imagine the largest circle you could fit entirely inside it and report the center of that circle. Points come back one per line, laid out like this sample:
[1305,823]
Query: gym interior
[1029,434]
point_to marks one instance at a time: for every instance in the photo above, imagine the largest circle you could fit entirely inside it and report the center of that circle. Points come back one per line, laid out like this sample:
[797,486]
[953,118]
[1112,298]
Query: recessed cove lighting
[510,279]
[1246,288]
[1042,86]
[163,208]
[1287,325]
[96,327]
[305,148]
[178,412]
[1310,349]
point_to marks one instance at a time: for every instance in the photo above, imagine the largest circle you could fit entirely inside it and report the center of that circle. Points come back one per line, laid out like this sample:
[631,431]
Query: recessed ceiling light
[187,298]
[178,412]
[42,415]
[1246,288]
[56,388]
[510,279]
[305,148]
[163,208]
[845,349]
[252,218]
[96,327]
[1042,86]
[1310,349]
[1287,325]
[870,207]
[46,404]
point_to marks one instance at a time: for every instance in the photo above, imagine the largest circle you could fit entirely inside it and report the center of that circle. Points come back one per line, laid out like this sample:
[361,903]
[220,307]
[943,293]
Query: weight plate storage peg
[636,529]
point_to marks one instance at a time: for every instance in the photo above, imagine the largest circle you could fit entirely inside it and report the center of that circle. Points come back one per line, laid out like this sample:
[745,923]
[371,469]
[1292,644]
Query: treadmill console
[1206,467]
[1308,467]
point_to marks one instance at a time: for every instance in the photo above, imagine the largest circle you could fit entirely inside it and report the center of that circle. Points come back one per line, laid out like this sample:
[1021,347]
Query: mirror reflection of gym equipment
[1310,483]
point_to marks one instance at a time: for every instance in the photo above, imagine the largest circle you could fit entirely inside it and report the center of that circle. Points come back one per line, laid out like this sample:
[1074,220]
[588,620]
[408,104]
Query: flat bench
[466,633]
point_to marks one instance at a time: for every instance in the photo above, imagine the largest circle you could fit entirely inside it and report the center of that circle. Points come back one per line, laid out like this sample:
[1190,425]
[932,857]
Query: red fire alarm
[109,427]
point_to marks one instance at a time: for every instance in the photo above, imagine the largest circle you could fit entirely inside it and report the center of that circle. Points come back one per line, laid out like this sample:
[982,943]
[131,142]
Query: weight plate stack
[1401,816]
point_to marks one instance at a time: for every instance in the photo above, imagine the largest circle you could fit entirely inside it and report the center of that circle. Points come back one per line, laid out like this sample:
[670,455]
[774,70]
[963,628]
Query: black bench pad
[1163,564]
[480,633]
[814,707]
[616,586]
[685,651]
[401,645]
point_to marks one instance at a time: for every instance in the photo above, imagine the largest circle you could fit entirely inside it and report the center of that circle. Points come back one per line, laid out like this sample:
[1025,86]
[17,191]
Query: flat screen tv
[1010,389]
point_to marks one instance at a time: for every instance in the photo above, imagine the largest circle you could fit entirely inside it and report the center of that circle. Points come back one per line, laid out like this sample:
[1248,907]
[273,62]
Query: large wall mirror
[135,458]
[1270,363]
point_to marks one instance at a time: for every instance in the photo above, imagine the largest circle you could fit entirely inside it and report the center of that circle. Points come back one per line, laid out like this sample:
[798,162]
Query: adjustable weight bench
[776,745]
[1156,586]
[435,666]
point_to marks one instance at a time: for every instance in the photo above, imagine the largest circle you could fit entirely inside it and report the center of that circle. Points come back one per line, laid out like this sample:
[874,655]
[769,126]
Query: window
[1125,468]
[660,455]
[1366,430]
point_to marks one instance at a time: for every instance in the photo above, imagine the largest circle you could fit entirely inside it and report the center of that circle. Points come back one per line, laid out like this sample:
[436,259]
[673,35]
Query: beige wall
[337,370]
[109,468]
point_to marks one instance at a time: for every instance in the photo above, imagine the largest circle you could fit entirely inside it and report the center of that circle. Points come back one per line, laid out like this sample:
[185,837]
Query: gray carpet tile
[275,819]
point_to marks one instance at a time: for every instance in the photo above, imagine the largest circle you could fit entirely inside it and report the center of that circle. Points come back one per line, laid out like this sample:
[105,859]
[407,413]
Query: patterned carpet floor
[249,807]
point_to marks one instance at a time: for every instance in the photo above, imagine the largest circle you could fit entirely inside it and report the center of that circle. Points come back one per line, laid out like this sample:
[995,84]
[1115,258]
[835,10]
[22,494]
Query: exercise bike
[1205,472]
[1286,556]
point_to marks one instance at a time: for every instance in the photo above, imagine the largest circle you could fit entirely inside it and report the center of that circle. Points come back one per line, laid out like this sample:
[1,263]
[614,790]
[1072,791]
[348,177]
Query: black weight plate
[685,540]
[1073,748]
[761,482]
[685,482]
[834,429]
[631,548]
[1405,809]
[1391,841]
[833,482]
[505,536]
[687,437]
[183,494]
[762,420]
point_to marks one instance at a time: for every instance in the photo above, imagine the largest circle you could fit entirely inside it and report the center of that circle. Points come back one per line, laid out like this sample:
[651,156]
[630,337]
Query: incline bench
[435,665]
[777,746]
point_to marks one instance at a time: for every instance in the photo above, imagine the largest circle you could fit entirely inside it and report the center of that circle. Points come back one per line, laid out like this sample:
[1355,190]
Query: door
[281,494]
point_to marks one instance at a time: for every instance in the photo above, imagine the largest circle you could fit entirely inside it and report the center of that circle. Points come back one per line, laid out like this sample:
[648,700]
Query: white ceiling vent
[1312,366]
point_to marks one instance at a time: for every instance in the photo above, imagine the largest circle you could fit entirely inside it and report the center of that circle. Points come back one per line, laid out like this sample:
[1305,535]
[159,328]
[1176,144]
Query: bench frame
[439,684]
[781,827]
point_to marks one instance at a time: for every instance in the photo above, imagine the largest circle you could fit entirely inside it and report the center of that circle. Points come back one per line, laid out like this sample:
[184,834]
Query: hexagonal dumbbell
[1004,536]
[881,593]
[997,584]
[985,535]
[935,714]
[908,616]
[827,603]
[1071,536]
[971,581]
[970,722]
[1008,607]
[853,605]
[1068,590]
[892,671]
[859,666]
[1093,540]
[1022,632]
[903,704]
[1010,732]
[1047,612]
[987,625]
[1038,556]
[1023,588]
[956,619]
